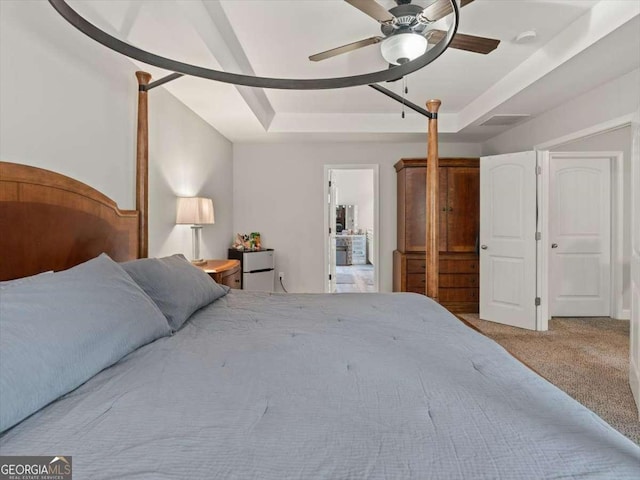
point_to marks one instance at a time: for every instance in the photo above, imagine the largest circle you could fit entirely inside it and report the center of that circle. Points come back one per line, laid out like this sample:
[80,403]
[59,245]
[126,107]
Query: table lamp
[195,211]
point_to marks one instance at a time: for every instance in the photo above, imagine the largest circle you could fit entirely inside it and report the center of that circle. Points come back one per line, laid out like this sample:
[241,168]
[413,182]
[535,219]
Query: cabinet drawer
[232,280]
[460,280]
[416,289]
[417,280]
[459,266]
[461,307]
[416,265]
[458,294]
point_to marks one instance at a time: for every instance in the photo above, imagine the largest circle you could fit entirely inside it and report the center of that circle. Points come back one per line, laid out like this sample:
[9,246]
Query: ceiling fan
[406,31]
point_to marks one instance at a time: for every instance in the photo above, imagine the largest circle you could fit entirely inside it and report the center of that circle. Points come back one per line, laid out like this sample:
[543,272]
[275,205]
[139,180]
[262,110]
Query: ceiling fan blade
[440,9]
[373,9]
[470,43]
[345,48]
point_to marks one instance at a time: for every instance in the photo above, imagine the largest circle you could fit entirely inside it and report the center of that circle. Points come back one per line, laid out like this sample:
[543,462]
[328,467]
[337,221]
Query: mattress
[350,386]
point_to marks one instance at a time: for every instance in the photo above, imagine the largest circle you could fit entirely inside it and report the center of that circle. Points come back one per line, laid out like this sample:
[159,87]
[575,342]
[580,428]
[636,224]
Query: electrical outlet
[281,275]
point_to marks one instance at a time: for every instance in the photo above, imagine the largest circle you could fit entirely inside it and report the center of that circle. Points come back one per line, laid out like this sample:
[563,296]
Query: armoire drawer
[459,266]
[416,289]
[458,294]
[417,265]
[459,280]
[416,280]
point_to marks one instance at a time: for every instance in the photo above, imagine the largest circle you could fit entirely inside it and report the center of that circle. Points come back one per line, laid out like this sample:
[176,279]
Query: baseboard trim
[634,383]
[625,314]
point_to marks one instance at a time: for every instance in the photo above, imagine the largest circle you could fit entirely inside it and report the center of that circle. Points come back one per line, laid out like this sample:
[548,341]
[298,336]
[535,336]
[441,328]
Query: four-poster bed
[264,385]
[432,184]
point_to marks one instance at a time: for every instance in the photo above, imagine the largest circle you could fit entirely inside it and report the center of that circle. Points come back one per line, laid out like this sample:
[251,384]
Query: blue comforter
[351,386]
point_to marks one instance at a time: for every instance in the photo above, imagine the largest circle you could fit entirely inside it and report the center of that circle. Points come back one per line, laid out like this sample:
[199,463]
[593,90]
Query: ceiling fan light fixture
[403,47]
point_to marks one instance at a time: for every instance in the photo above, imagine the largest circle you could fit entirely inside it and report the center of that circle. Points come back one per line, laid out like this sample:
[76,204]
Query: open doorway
[351,226]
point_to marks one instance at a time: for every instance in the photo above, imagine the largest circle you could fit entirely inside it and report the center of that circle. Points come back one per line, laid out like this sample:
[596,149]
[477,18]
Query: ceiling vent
[504,120]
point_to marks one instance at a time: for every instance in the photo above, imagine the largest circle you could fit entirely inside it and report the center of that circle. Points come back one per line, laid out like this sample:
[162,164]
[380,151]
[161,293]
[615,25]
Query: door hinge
[538,302]
[329,183]
[538,235]
[330,277]
[538,170]
[329,230]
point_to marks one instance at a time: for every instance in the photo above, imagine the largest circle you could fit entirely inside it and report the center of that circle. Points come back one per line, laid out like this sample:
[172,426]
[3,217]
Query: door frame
[376,217]
[616,160]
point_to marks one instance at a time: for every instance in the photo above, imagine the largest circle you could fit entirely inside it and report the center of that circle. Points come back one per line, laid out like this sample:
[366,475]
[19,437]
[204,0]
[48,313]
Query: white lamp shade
[403,47]
[195,211]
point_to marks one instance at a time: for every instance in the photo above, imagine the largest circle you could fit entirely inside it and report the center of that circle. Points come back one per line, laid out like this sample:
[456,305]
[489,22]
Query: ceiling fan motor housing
[405,20]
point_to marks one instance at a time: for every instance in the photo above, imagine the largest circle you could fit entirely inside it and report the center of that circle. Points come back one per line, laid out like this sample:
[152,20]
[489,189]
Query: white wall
[355,187]
[187,157]
[612,100]
[634,368]
[69,105]
[278,191]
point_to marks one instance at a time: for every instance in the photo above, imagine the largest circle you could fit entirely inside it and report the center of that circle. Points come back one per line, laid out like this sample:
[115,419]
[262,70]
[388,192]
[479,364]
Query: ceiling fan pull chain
[404,92]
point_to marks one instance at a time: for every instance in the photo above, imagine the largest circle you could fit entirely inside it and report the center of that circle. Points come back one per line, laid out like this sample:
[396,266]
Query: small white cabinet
[358,249]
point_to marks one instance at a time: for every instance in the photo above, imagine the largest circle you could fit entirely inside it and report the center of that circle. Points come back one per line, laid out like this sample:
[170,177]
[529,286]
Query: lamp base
[195,236]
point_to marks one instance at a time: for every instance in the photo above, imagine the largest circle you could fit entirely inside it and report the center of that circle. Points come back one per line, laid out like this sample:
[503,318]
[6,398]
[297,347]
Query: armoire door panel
[416,208]
[463,188]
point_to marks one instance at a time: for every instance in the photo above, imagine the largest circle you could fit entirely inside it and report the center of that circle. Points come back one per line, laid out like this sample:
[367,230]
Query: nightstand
[224,272]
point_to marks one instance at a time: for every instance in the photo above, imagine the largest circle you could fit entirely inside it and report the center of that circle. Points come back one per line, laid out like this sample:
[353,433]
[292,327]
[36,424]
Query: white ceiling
[275,37]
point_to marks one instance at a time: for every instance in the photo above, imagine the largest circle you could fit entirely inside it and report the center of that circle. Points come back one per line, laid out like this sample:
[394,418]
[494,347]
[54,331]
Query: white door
[580,236]
[634,368]
[331,205]
[507,239]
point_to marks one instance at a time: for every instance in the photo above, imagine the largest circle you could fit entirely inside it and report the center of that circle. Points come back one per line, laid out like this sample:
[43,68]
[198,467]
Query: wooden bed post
[433,220]
[142,165]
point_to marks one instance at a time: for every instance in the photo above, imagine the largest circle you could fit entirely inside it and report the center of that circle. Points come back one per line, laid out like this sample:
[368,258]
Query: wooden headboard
[52,222]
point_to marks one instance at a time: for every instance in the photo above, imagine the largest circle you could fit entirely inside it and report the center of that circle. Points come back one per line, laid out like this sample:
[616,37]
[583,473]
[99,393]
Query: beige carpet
[586,357]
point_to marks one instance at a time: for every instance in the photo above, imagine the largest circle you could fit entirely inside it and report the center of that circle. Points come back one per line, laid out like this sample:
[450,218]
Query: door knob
[554,245]
[484,247]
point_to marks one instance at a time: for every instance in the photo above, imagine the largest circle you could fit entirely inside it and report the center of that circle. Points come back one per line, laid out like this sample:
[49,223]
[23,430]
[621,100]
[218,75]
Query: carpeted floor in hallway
[588,358]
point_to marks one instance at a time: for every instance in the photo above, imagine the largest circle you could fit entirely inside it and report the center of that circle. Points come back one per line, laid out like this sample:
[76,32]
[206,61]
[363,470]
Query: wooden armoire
[459,206]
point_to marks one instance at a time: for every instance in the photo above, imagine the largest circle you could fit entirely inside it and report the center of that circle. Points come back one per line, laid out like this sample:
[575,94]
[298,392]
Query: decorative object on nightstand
[195,211]
[224,272]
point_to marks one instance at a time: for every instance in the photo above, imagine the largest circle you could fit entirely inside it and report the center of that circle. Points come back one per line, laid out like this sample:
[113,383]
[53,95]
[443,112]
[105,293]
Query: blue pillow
[9,283]
[60,329]
[177,287]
